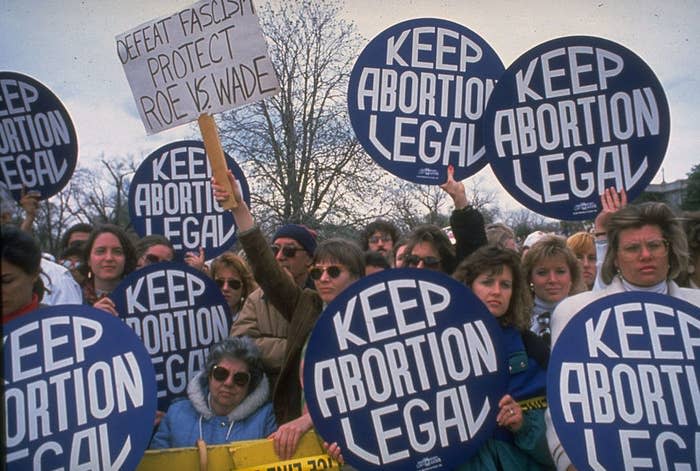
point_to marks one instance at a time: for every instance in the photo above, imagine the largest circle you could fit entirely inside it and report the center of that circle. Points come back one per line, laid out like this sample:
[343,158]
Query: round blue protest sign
[572,117]
[416,97]
[171,195]
[178,312]
[79,391]
[38,143]
[404,369]
[622,384]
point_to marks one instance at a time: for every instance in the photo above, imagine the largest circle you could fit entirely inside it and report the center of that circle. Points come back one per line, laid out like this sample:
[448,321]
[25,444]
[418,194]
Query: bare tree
[93,195]
[414,204]
[524,221]
[101,195]
[302,160]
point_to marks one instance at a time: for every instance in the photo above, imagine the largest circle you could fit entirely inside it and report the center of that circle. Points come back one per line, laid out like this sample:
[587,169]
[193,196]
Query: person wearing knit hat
[302,234]
[293,246]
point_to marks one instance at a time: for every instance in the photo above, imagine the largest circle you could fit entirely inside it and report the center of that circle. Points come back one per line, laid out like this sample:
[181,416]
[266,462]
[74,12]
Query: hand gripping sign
[171,195]
[572,117]
[38,143]
[416,97]
[404,369]
[208,58]
[178,312]
[79,391]
[622,384]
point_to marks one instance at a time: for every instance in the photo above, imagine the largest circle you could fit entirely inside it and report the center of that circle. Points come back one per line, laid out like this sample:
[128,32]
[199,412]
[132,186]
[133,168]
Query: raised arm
[277,285]
[466,221]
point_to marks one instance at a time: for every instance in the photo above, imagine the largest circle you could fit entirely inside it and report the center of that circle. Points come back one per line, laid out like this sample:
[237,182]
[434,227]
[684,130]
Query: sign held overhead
[205,59]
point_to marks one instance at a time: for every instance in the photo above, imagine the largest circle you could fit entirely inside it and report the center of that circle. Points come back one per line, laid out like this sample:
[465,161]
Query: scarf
[33,304]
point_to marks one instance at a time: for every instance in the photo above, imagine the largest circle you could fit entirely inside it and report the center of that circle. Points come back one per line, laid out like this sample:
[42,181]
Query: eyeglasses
[231,282]
[375,239]
[334,271]
[656,248]
[287,250]
[221,374]
[428,262]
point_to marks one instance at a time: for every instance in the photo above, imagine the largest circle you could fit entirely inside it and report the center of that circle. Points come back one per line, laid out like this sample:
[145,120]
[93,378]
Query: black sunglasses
[232,283]
[150,258]
[287,250]
[414,260]
[221,374]
[316,273]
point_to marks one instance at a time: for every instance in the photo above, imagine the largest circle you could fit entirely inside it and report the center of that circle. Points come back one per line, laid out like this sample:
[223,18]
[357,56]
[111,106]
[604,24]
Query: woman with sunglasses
[336,264]
[154,248]
[429,247]
[494,275]
[233,277]
[647,249]
[228,401]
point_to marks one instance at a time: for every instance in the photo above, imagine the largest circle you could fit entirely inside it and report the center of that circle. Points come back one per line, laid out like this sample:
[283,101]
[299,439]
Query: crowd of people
[251,385]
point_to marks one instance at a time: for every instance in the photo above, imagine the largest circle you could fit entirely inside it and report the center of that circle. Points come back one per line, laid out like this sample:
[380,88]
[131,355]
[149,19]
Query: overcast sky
[69,46]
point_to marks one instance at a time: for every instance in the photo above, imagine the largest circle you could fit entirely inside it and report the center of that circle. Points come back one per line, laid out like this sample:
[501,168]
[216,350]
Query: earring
[532,286]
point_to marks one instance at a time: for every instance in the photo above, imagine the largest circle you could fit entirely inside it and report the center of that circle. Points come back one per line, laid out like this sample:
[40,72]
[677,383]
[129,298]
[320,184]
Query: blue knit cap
[300,233]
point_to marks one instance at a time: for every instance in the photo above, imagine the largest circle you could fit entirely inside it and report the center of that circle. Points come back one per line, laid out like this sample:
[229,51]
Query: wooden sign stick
[212,144]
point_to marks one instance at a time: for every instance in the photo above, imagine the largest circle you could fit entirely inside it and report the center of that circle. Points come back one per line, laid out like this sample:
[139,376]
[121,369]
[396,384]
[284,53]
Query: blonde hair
[647,214]
[233,262]
[551,246]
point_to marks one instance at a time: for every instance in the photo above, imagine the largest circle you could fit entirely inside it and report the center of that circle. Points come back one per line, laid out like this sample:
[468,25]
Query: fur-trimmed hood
[198,393]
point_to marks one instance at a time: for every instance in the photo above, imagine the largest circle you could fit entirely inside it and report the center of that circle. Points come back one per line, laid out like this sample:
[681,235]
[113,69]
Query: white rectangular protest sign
[207,58]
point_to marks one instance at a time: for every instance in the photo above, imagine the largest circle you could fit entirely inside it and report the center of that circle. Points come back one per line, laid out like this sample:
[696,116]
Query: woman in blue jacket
[519,442]
[228,401]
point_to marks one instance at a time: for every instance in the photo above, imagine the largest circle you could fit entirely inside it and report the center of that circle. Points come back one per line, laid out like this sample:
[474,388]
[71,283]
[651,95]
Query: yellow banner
[539,402]
[308,463]
[251,455]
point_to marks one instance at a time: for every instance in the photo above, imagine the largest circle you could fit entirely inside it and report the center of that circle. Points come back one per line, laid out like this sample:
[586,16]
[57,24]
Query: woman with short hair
[337,263]
[647,249]
[227,401]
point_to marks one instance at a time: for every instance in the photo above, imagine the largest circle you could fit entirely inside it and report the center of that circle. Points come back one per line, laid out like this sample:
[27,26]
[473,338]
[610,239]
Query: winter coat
[469,231]
[300,306]
[268,328]
[190,419]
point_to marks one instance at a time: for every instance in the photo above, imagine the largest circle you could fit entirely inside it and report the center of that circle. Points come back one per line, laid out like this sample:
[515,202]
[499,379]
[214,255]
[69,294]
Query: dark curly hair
[492,259]
[380,225]
[438,239]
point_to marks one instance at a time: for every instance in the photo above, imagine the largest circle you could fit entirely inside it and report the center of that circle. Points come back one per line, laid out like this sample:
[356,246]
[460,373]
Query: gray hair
[646,214]
[237,348]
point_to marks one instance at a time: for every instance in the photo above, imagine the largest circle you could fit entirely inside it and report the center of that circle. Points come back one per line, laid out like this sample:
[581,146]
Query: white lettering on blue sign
[630,394]
[397,369]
